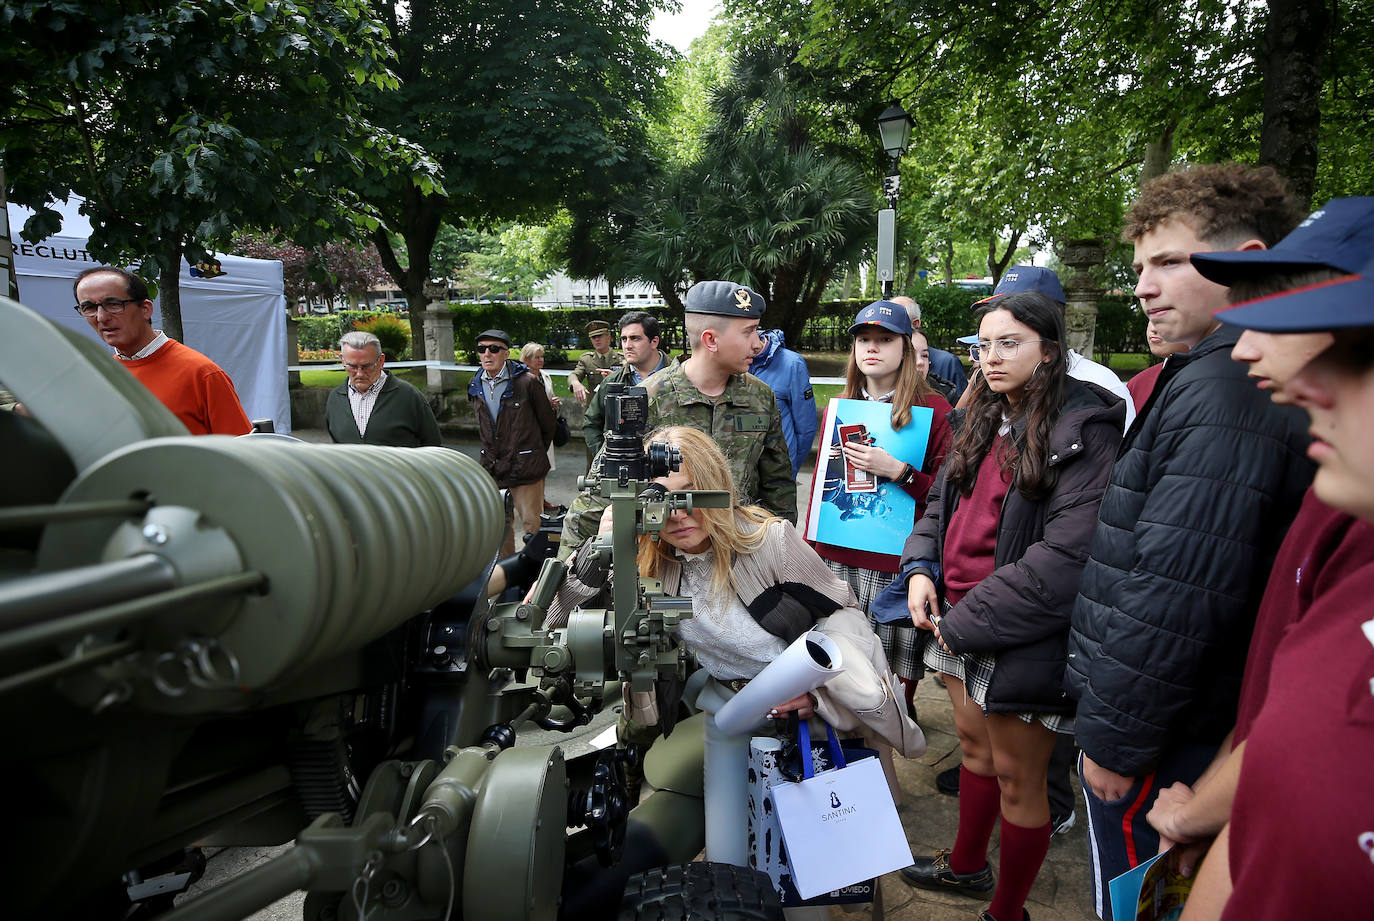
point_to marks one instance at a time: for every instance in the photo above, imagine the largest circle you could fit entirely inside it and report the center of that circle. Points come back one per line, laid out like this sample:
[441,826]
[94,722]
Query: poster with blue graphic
[850,508]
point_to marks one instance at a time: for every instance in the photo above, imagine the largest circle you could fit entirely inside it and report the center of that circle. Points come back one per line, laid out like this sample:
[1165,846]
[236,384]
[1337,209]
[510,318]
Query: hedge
[945,317]
[324,332]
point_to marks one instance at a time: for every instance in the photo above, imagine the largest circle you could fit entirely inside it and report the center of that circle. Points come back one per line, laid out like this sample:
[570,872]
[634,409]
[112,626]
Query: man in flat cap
[713,391]
[515,421]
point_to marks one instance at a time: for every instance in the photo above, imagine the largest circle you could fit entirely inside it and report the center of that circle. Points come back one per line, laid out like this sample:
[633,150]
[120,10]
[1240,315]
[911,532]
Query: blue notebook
[858,515]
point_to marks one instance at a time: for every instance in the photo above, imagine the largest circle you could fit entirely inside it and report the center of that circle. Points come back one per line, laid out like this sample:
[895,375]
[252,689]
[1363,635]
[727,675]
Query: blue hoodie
[786,373]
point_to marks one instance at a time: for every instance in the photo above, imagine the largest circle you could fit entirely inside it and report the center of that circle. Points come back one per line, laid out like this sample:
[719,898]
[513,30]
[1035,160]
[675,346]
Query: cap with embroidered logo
[724,299]
[886,314]
[1339,303]
[1020,278]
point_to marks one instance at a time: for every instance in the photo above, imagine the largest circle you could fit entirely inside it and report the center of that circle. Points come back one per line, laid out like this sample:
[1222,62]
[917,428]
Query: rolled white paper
[811,661]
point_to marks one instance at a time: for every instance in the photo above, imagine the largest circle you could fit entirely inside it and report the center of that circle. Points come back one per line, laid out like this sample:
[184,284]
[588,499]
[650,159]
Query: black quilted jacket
[1021,611]
[1209,477]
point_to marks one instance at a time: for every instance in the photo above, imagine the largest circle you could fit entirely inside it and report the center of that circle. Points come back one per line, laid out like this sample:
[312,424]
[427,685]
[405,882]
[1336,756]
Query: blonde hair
[529,350]
[730,531]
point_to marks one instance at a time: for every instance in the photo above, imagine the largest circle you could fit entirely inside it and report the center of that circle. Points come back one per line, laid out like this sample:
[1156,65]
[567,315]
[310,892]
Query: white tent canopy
[238,318]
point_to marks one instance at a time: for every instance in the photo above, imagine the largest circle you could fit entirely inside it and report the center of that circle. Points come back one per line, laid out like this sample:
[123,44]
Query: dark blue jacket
[786,373]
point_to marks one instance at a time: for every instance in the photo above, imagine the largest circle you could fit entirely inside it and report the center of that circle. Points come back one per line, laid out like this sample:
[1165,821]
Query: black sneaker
[934,873]
[947,782]
[986,915]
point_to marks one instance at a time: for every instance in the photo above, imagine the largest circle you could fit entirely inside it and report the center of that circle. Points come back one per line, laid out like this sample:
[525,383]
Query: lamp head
[894,128]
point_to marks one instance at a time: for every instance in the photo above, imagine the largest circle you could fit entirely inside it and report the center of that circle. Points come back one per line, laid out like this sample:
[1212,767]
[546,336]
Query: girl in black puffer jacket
[993,569]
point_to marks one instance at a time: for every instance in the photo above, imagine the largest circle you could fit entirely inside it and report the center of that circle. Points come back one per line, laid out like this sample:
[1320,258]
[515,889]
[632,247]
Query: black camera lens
[662,458]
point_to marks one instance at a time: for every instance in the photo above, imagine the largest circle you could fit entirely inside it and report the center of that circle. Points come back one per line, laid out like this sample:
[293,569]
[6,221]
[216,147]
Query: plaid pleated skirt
[975,671]
[901,642]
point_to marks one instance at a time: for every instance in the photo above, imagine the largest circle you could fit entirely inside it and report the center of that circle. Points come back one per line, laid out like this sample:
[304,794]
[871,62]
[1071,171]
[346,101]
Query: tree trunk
[169,290]
[1291,58]
[419,220]
[947,257]
[910,269]
[784,310]
[670,296]
[996,266]
[1159,153]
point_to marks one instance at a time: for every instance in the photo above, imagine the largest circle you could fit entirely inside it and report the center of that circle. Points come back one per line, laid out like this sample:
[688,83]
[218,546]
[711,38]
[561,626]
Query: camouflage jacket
[745,422]
[585,371]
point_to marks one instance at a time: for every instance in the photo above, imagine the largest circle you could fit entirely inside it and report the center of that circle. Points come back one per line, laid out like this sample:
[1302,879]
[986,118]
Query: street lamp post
[894,128]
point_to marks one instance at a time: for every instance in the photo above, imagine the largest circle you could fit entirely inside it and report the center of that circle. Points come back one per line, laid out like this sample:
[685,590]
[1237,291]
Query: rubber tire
[700,892]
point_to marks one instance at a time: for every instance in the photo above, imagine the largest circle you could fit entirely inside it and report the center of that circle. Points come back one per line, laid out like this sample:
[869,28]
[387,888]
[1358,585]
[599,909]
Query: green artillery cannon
[241,641]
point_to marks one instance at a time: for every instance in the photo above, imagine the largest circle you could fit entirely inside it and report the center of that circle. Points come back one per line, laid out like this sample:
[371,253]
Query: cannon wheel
[700,892]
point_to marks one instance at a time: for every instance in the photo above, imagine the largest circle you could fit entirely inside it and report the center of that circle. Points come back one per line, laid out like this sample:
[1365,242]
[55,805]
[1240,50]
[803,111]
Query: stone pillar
[1081,293]
[438,321]
[293,352]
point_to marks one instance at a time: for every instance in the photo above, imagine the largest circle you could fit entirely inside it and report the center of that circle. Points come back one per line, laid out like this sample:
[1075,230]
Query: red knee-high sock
[980,803]
[909,686]
[1023,851]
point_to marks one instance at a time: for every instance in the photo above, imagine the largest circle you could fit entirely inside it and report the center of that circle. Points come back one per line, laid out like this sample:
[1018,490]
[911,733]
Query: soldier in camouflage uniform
[713,391]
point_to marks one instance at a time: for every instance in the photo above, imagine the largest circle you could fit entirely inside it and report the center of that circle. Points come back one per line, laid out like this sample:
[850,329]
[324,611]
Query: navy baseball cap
[1339,235]
[1020,278]
[1338,303]
[724,299]
[886,314]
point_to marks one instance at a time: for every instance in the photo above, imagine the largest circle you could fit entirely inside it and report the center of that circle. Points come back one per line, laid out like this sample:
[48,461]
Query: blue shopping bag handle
[804,742]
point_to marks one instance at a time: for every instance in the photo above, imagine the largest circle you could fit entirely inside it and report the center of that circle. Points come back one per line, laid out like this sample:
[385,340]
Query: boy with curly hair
[1203,490]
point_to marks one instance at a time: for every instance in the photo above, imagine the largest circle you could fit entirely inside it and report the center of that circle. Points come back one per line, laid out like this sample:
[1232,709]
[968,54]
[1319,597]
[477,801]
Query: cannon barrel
[311,551]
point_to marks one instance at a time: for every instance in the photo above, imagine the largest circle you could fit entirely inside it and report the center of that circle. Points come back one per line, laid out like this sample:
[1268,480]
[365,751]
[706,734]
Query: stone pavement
[1061,893]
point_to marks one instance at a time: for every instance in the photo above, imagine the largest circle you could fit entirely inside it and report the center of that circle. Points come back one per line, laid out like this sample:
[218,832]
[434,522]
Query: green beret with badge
[724,299]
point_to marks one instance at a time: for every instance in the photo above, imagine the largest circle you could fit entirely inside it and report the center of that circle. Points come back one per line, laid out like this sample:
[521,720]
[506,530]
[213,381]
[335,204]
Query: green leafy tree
[182,121]
[506,265]
[526,104]
[677,134]
[328,272]
[767,201]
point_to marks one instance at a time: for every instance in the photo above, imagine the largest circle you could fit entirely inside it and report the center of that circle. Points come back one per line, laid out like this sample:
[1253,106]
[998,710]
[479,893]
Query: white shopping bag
[840,825]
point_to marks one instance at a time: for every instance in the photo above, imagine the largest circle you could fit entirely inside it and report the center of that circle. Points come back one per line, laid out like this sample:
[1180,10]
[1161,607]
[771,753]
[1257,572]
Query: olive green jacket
[585,370]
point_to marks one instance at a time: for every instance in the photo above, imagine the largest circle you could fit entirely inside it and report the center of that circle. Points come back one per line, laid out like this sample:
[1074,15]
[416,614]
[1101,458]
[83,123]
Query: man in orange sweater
[115,302]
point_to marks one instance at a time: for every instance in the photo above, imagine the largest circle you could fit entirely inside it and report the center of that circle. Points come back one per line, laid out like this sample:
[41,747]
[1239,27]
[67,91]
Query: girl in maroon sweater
[994,567]
[883,366]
